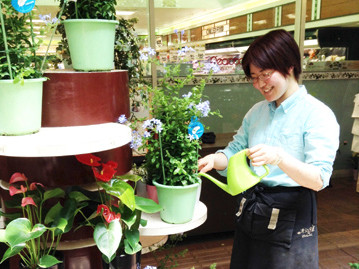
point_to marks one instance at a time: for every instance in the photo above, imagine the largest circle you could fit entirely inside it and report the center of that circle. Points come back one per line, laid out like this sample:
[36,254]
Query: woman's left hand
[262,154]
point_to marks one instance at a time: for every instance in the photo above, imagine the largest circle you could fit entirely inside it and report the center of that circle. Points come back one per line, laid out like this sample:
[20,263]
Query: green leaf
[13,251]
[133,178]
[53,213]
[122,191]
[20,231]
[78,196]
[132,238]
[147,205]
[54,193]
[47,261]
[108,238]
[68,213]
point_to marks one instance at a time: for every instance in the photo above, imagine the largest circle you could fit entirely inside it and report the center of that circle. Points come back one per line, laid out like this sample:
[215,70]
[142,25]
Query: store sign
[226,60]
[215,30]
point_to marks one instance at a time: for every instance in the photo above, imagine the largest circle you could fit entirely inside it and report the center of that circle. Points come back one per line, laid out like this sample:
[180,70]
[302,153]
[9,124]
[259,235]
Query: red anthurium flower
[13,190]
[17,177]
[107,214]
[112,164]
[89,159]
[106,174]
[27,201]
[34,187]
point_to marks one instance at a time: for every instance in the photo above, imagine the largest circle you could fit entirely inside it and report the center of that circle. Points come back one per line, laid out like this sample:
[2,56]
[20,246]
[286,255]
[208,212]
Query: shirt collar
[291,100]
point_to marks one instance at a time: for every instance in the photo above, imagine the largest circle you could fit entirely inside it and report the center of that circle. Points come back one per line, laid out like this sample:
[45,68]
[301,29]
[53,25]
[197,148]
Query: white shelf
[63,141]
[155,226]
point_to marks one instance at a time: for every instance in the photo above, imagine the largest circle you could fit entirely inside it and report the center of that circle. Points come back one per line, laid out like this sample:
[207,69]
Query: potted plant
[90,31]
[21,75]
[171,142]
[116,210]
[39,217]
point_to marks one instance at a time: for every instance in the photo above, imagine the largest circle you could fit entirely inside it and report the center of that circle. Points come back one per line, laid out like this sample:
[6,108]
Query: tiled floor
[338,226]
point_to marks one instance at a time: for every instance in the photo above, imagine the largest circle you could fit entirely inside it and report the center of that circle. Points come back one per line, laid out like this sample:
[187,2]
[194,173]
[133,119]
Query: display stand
[49,155]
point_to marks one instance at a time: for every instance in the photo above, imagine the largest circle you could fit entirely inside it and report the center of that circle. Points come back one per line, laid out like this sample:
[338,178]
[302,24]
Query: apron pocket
[274,225]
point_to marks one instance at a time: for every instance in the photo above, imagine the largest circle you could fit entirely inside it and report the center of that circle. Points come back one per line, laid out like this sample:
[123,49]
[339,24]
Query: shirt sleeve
[321,141]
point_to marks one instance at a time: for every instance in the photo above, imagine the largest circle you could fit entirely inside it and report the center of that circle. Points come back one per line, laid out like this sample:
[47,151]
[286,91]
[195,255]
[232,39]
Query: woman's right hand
[212,161]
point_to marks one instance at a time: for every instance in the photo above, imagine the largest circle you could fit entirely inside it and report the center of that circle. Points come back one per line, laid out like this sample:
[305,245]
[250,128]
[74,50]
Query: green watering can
[240,177]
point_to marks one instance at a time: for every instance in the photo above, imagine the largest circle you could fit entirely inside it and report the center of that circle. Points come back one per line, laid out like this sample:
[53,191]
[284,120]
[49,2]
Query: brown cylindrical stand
[75,99]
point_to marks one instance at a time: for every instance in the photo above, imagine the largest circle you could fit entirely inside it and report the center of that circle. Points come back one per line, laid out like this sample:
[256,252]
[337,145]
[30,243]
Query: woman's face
[272,84]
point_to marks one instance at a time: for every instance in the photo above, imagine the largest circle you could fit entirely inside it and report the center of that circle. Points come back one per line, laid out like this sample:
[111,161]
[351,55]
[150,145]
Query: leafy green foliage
[127,57]
[35,233]
[180,153]
[90,9]
[22,45]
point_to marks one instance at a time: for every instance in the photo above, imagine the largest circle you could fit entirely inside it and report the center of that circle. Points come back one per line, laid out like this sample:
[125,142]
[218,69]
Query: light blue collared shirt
[302,126]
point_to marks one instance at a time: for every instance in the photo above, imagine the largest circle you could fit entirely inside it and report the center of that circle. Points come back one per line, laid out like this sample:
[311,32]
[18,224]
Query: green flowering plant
[39,218]
[19,44]
[170,137]
[115,210]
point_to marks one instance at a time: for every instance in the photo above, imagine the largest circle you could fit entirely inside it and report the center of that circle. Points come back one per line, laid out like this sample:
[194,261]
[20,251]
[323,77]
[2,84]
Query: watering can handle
[265,173]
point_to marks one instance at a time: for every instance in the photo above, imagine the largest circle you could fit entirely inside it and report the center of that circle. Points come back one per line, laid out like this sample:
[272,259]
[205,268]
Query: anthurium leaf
[53,213]
[122,191]
[19,231]
[68,213]
[108,260]
[133,178]
[130,249]
[54,193]
[129,218]
[47,261]
[108,238]
[147,205]
[61,224]
[131,241]
[78,196]
[12,251]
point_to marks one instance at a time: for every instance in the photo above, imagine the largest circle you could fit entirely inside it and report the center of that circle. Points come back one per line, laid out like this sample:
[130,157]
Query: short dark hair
[275,50]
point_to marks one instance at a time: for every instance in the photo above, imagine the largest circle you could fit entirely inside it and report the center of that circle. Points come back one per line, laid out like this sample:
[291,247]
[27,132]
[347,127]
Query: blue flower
[188,95]
[146,134]
[204,108]
[153,124]
[122,119]
[47,19]
[136,141]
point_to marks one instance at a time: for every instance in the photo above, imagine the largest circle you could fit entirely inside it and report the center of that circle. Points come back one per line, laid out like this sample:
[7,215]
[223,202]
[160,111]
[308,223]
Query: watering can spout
[240,176]
[220,184]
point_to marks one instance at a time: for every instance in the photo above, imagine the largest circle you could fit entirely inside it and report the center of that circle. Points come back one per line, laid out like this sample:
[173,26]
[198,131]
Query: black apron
[276,228]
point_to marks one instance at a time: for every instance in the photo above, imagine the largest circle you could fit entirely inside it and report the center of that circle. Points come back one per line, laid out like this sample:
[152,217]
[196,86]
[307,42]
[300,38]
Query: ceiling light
[124,13]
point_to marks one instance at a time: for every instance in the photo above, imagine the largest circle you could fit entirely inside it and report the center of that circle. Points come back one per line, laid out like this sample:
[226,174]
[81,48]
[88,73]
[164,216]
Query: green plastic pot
[178,202]
[91,43]
[20,106]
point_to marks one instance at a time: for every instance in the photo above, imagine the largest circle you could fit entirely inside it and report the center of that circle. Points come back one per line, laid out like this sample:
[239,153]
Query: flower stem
[5,41]
[52,35]
[162,162]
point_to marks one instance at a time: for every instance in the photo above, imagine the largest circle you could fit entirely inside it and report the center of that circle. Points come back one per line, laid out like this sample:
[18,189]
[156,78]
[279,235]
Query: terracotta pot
[152,192]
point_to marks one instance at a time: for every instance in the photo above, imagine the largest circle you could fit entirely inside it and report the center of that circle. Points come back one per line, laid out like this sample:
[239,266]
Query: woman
[297,136]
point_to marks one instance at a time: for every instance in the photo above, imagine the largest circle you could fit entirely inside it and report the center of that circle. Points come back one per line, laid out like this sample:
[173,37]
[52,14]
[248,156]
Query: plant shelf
[155,226]
[64,141]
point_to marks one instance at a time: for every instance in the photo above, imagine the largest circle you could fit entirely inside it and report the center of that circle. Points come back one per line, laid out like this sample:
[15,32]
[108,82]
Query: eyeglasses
[262,77]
